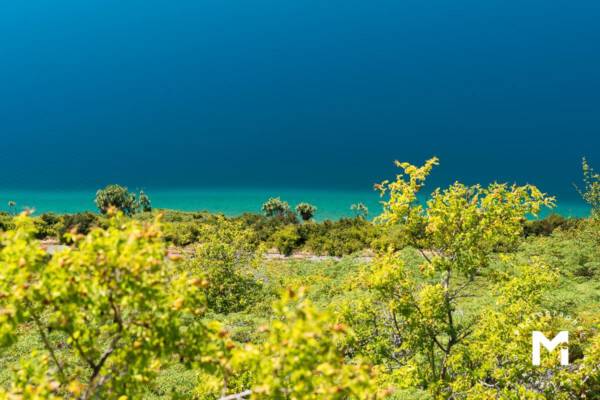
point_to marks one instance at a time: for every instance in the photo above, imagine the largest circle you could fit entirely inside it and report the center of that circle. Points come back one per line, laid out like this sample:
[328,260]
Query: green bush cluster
[333,238]
[545,226]
[117,196]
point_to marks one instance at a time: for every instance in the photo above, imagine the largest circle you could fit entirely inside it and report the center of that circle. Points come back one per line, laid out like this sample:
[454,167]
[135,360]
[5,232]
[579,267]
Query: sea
[331,204]
[219,105]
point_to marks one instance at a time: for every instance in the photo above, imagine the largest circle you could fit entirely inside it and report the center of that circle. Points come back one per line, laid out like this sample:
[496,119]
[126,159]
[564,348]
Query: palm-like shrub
[306,211]
[275,207]
[360,210]
[115,196]
[144,204]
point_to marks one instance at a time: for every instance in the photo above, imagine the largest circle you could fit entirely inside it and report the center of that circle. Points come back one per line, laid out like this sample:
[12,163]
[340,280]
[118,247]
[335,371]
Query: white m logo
[538,340]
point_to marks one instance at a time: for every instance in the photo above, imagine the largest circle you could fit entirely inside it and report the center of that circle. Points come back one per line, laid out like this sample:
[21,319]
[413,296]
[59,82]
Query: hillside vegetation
[427,301]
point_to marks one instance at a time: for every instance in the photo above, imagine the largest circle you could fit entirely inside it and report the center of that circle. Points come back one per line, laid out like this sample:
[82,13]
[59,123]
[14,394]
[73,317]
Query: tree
[301,357]
[456,234]
[144,204]
[115,196]
[275,207]
[306,211]
[227,256]
[360,210]
[109,312]
[590,193]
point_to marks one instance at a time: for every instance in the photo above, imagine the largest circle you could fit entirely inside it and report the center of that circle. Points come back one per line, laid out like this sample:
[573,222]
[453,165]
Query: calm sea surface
[331,204]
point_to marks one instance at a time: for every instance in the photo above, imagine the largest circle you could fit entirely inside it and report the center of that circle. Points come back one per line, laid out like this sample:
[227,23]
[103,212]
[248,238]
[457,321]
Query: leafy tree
[301,358]
[590,192]
[306,211]
[495,360]
[456,234]
[227,256]
[115,196]
[360,210]
[144,204]
[109,312]
[275,207]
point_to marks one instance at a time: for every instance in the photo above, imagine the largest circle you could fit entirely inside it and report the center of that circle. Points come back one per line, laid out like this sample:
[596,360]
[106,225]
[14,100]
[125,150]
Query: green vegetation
[275,207]
[430,301]
[115,196]
[144,204]
[306,211]
[360,210]
[590,192]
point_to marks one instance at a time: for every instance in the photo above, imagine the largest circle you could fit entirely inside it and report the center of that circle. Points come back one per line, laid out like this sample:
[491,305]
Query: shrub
[80,224]
[301,357]
[544,227]
[144,204]
[115,196]
[287,239]
[360,210]
[226,256]
[12,206]
[108,312]
[338,238]
[47,225]
[306,211]
[457,234]
[275,207]
[6,221]
[590,192]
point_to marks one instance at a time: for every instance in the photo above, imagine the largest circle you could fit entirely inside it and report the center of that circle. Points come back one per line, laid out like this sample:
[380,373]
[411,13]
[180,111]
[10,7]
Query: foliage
[360,210]
[338,238]
[495,360]
[115,196]
[574,252]
[306,211]
[590,192]
[6,221]
[112,303]
[300,358]
[286,239]
[143,203]
[226,256]
[545,226]
[275,207]
[458,231]
[78,224]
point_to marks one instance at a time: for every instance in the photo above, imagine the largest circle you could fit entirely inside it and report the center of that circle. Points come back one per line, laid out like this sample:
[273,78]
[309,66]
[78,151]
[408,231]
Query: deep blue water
[303,94]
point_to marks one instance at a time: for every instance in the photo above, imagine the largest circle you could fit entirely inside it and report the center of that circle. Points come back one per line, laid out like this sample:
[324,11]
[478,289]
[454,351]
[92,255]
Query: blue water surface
[312,95]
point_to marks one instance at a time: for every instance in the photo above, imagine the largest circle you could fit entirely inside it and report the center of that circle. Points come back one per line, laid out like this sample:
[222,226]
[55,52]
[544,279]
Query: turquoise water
[331,204]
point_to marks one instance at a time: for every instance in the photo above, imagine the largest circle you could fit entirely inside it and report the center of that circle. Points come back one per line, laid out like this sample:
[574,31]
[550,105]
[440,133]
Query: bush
[275,207]
[544,227]
[360,210]
[306,211]
[115,196]
[47,225]
[80,223]
[144,204]
[590,193]
[338,238]
[287,240]
[226,255]
[6,221]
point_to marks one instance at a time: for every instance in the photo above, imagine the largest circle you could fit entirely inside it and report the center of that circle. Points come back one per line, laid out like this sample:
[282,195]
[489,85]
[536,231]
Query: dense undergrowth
[437,302]
[286,235]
